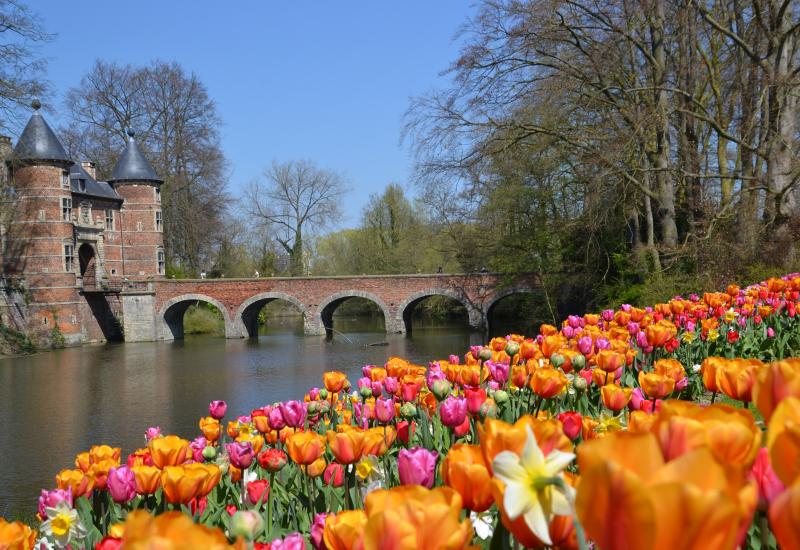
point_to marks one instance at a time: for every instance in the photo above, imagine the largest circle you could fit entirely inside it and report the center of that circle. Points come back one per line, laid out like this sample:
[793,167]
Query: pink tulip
[608,315]
[240,454]
[217,409]
[434,373]
[366,370]
[316,531]
[293,412]
[602,343]
[682,383]
[568,332]
[197,445]
[769,486]
[384,410]
[585,345]
[364,382]
[453,411]
[454,359]
[391,385]
[637,398]
[294,541]
[770,332]
[417,466]
[49,499]
[313,394]
[121,484]
[499,371]
[377,388]
[152,432]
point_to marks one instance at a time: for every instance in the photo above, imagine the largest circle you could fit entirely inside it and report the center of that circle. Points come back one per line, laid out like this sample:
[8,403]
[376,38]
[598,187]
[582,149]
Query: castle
[69,241]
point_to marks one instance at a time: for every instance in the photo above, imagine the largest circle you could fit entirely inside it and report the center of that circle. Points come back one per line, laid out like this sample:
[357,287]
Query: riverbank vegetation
[638,413]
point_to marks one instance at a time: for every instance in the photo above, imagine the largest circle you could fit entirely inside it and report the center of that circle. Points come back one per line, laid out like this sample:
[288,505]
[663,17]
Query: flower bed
[608,430]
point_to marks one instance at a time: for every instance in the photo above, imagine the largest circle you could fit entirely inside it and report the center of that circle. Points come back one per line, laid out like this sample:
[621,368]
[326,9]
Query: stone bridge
[153,310]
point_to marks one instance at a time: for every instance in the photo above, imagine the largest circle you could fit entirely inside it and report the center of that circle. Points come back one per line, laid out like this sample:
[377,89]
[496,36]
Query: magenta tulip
[217,409]
[49,499]
[499,371]
[293,412]
[121,484]
[152,432]
[276,420]
[240,454]
[769,486]
[453,411]
[317,530]
[293,541]
[391,385]
[417,466]
[198,445]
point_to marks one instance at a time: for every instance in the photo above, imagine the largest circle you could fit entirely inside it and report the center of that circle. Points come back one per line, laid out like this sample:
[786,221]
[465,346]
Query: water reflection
[57,404]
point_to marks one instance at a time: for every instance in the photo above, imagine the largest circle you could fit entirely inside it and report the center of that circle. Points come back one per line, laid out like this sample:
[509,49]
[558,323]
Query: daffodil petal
[532,456]
[537,522]
[507,468]
[517,500]
[557,460]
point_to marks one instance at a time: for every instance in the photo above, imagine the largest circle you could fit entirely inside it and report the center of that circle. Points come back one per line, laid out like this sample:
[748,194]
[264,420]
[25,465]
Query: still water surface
[55,405]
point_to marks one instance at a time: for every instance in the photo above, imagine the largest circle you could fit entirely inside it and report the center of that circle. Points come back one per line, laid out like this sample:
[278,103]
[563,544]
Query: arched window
[160,261]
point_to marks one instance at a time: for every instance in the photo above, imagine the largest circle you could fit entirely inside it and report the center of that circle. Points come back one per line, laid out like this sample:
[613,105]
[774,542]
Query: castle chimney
[89,167]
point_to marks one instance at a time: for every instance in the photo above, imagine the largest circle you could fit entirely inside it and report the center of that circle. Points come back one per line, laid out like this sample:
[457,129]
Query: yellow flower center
[364,469]
[61,524]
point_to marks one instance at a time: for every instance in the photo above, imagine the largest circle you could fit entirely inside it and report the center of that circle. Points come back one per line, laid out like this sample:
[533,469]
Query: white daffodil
[483,524]
[63,525]
[529,488]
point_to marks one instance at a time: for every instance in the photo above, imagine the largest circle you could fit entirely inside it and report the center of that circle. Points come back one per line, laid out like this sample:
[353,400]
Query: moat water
[57,404]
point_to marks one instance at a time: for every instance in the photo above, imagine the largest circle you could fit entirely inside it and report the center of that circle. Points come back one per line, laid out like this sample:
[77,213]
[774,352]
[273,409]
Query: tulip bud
[209,453]
[324,407]
[488,409]
[313,408]
[578,361]
[408,410]
[485,354]
[323,393]
[441,389]
[579,383]
[500,397]
[512,348]
[557,360]
[247,524]
[365,392]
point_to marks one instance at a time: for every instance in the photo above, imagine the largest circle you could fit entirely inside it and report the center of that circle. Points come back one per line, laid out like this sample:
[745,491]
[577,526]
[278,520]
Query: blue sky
[322,80]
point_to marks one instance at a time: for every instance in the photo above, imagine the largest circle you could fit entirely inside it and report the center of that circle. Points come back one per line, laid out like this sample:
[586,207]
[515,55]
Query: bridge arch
[169,321]
[492,302]
[325,310]
[406,308]
[246,318]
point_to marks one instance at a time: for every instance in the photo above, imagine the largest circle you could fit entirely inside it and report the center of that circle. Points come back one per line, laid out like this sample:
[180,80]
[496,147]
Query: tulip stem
[269,504]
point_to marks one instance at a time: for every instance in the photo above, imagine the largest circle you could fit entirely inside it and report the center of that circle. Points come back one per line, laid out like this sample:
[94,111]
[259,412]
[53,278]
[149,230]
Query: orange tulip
[98,471]
[784,517]
[181,484]
[15,535]
[735,378]
[783,440]
[210,427]
[497,436]
[730,434]
[547,382]
[212,475]
[609,361]
[601,377]
[656,386]
[170,530]
[261,422]
[77,480]
[235,474]
[346,444]
[416,517]
[334,381]
[774,383]
[671,368]
[464,470]
[305,447]
[83,461]
[615,397]
[148,479]
[316,468]
[551,344]
[378,440]
[343,531]
[629,497]
[660,333]
[169,451]
[233,428]
[709,369]
[98,453]
[640,421]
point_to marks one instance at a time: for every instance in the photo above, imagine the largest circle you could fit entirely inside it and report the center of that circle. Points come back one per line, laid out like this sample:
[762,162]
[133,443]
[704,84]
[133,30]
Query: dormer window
[158,194]
[64,179]
[82,185]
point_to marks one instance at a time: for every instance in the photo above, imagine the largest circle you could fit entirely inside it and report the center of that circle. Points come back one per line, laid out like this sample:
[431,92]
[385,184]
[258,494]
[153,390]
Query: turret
[141,220]
[40,245]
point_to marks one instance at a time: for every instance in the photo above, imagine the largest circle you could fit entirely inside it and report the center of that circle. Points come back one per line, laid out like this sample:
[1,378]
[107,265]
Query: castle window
[160,261]
[109,219]
[138,226]
[158,221]
[64,179]
[66,209]
[158,194]
[69,257]
[82,184]
[42,215]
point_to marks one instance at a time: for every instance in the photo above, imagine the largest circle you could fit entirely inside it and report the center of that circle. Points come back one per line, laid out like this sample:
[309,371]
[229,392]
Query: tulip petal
[784,517]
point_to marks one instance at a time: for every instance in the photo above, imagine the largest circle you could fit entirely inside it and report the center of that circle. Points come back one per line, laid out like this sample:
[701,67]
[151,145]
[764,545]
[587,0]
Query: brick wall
[139,238]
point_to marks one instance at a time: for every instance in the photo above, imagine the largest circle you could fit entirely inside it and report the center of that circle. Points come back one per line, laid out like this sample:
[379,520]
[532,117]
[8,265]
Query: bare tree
[20,67]
[178,126]
[295,199]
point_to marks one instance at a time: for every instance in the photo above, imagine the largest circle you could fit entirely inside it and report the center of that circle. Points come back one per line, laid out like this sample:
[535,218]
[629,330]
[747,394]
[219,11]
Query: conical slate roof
[38,141]
[132,166]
